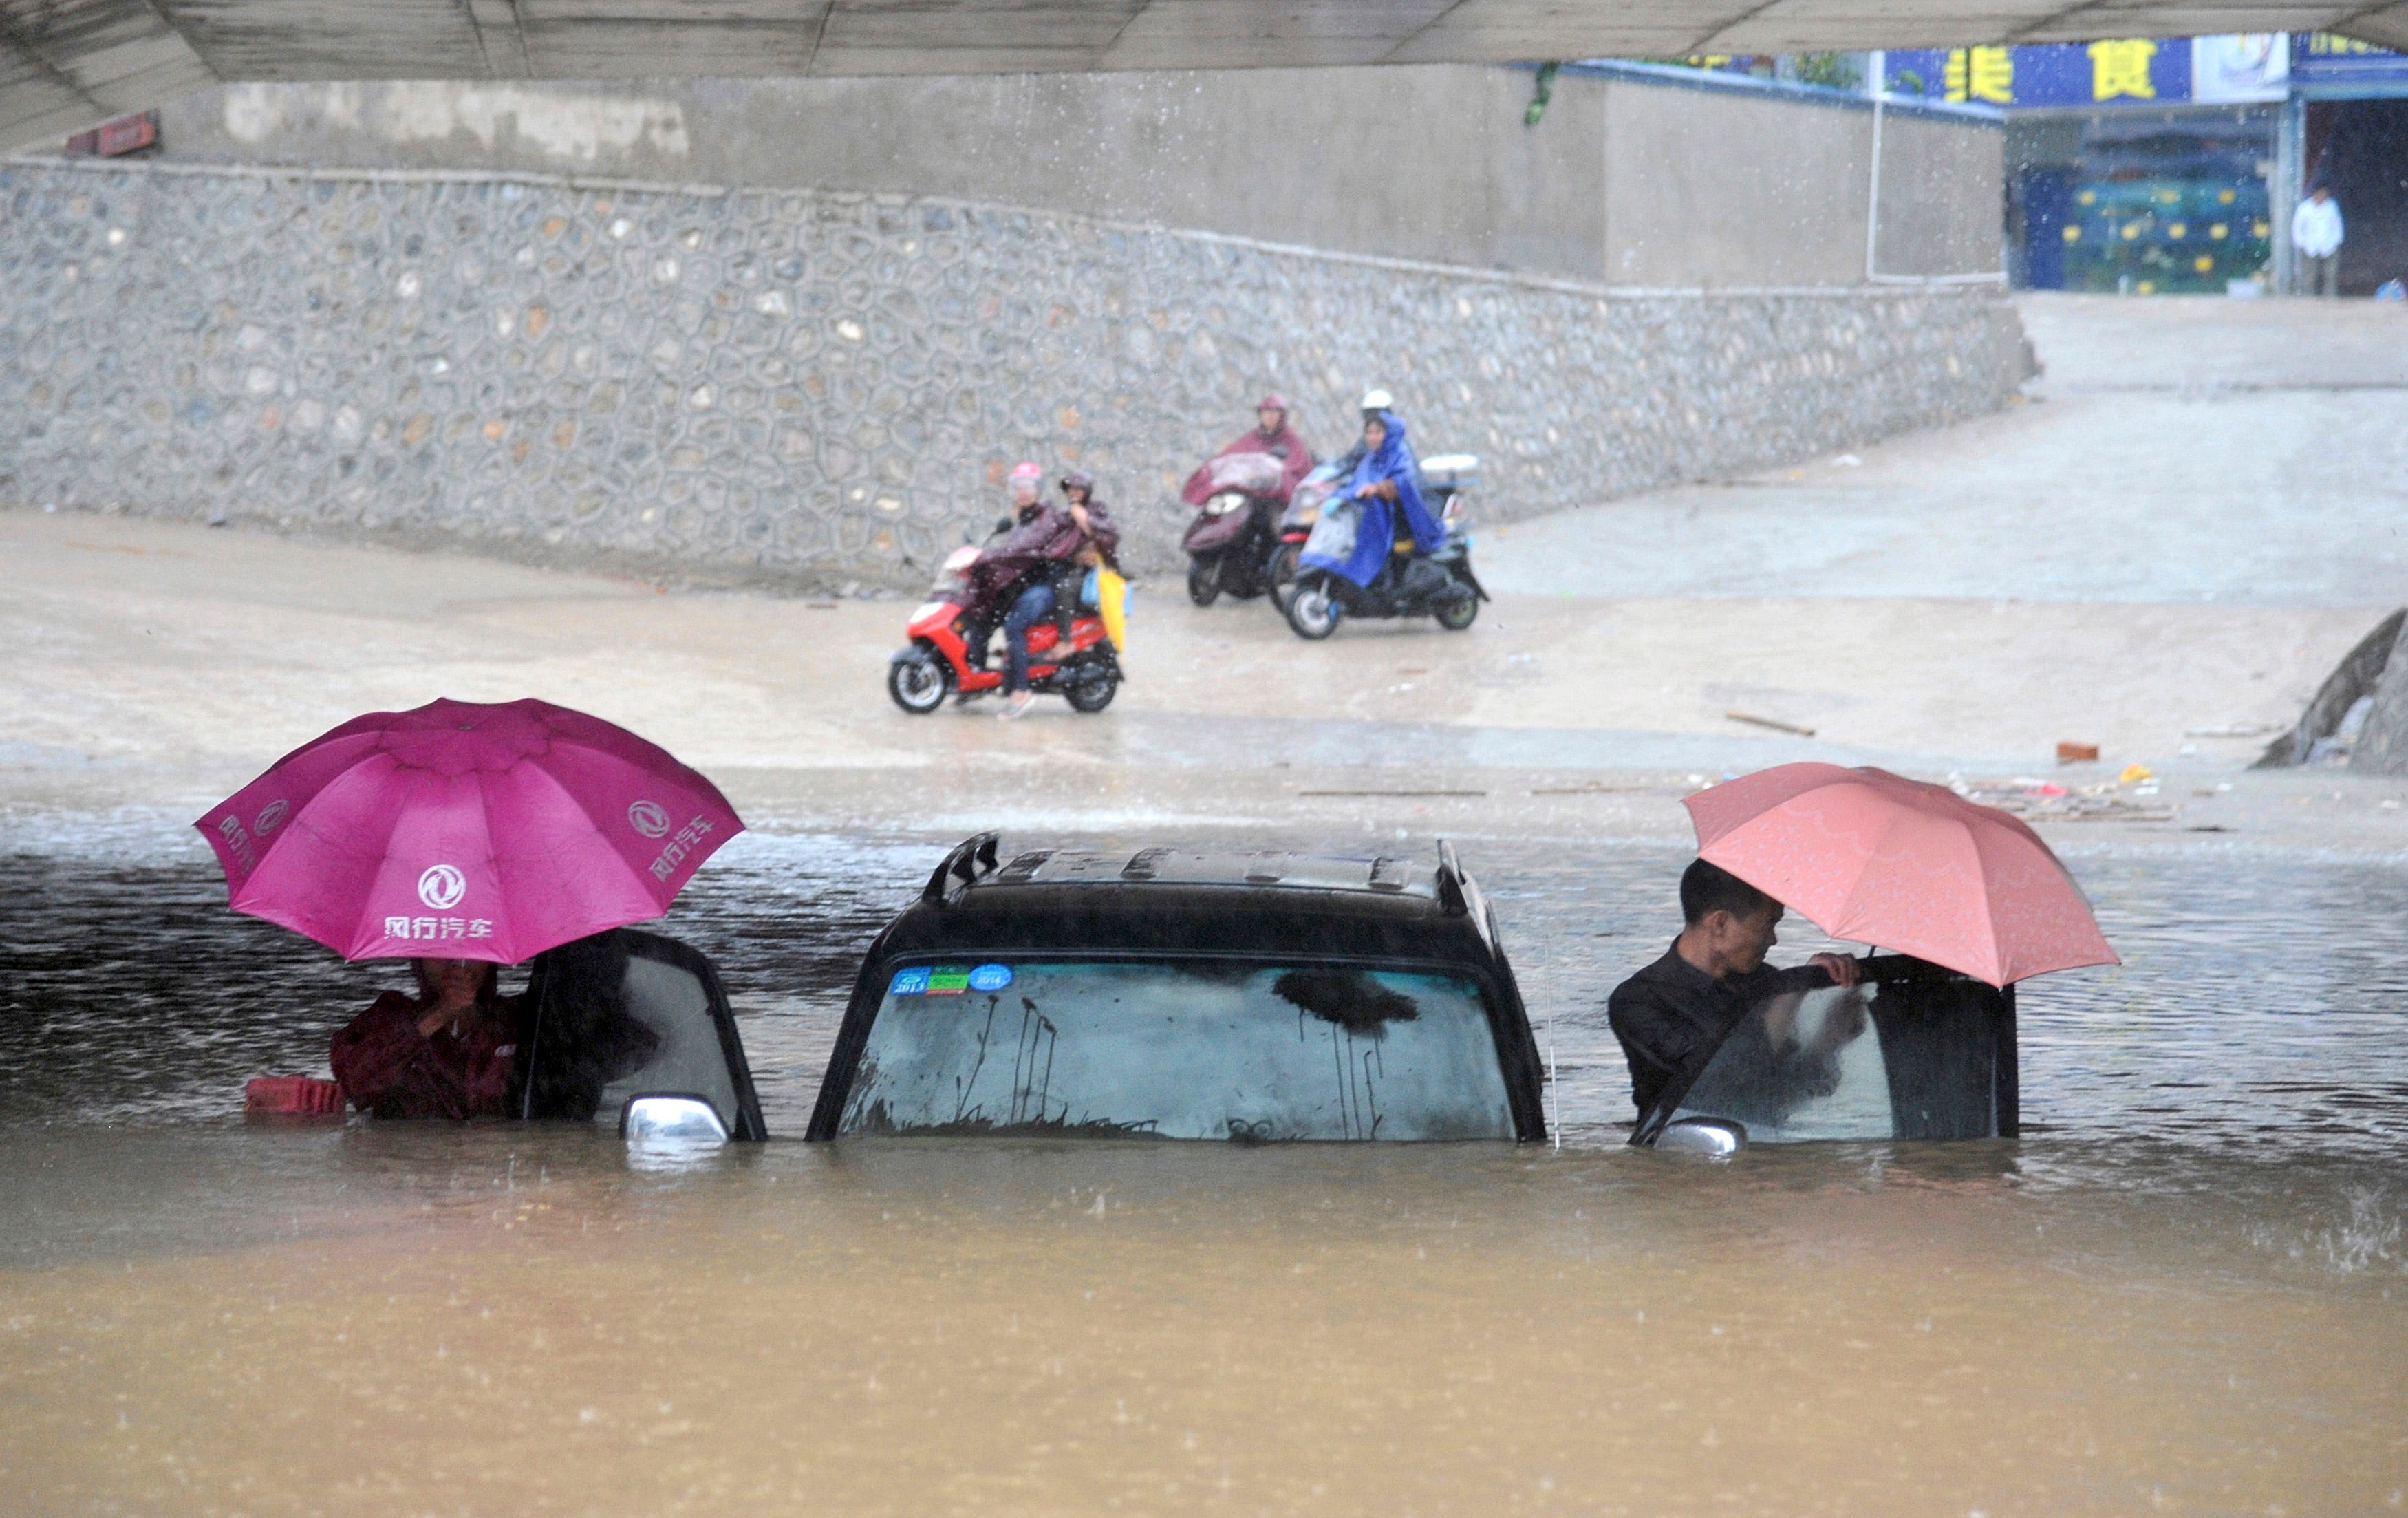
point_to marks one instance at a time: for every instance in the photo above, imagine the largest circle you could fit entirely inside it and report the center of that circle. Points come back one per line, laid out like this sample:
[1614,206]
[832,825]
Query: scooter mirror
[1003,524]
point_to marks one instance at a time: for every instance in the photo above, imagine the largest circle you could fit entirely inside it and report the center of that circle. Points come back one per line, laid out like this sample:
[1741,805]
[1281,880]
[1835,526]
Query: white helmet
[1377,400]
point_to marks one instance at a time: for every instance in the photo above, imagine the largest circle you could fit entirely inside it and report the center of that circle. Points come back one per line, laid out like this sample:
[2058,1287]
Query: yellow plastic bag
[1111,604]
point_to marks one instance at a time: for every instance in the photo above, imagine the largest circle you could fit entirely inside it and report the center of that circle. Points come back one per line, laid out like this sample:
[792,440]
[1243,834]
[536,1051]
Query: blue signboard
[2137,71]
[2236,69]
[2328,66]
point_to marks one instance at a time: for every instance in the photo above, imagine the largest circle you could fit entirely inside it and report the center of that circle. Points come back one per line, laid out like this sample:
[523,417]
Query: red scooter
[947,655]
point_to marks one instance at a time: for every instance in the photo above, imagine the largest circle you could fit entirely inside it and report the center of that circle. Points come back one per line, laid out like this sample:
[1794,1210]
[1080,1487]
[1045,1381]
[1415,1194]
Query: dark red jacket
[1051,534]
[388,1067]
[1286,445]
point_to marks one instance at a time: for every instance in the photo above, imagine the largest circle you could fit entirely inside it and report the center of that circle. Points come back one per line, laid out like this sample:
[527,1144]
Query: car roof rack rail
[1454,887]
[970,858]
[1459,895]
[1144,865]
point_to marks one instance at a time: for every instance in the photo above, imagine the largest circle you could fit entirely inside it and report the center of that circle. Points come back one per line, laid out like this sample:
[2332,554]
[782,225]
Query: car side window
[625,1014]
[1800,1065]
[1906,1060]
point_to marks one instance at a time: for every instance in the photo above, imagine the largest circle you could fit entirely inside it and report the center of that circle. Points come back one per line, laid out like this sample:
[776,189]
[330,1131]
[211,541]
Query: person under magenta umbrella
[448,1052]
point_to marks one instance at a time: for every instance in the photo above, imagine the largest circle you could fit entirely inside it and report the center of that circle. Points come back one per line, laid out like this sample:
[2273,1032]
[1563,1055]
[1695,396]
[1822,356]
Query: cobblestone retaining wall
[814,389]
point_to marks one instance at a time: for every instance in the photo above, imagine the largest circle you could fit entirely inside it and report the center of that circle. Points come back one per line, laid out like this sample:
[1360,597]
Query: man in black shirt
[1672,1015]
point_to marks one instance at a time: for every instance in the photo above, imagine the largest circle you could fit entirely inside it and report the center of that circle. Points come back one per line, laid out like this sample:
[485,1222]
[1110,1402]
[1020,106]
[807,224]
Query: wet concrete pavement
[2174,452]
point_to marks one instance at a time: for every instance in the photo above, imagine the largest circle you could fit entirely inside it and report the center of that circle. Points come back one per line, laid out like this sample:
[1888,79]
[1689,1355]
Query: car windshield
[1181,1049]
[1904,1061]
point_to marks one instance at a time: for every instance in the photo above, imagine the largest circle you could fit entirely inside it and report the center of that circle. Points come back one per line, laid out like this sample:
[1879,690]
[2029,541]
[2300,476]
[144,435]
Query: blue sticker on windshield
[910,983]
[990,977]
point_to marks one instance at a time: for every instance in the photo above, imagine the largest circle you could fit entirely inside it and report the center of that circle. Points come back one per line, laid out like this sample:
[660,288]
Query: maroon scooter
[1230,543]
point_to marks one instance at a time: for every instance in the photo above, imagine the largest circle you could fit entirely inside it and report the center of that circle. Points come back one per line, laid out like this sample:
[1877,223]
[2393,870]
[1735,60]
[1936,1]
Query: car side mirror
[1707,1136]
[670,1120]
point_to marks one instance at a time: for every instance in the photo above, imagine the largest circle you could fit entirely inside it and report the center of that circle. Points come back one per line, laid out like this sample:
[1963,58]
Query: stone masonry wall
[816,389]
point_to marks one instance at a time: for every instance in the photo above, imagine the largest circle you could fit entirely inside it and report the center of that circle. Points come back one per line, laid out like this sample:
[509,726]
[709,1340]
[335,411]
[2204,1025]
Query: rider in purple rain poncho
[1386,480]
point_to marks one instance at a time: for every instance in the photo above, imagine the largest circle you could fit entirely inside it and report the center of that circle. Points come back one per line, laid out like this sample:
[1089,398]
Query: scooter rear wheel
[1313,613]
[917,683]
[1204,580]
[1281,573]
[1091,695]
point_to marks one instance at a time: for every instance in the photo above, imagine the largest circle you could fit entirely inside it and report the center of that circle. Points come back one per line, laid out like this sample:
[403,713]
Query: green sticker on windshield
[949,981]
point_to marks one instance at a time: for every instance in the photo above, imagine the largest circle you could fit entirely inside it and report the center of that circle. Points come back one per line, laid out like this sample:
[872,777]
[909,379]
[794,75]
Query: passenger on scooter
[1056,543]
[1027,491]
[1383,478]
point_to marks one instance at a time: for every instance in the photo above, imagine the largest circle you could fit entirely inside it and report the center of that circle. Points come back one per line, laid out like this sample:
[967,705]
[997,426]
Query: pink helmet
[1272,402]
[1029,472]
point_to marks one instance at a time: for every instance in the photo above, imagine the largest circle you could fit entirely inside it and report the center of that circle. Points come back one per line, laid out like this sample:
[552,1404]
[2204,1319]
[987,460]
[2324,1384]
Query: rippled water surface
[2180,1293]
[2263,1006]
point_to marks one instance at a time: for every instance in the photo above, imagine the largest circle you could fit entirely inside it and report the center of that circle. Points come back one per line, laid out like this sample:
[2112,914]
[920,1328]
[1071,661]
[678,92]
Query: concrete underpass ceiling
[67,64]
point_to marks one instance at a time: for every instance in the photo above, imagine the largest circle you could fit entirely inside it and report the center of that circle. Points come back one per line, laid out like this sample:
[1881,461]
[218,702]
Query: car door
[1913,1052]
[625,1014]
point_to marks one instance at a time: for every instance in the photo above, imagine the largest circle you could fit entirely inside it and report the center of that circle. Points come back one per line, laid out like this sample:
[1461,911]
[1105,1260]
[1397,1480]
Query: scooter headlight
[1223,504]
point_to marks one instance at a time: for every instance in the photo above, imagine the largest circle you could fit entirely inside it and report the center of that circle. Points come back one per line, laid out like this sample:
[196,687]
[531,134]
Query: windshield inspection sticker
[990,977]
[910,983]
[948,981]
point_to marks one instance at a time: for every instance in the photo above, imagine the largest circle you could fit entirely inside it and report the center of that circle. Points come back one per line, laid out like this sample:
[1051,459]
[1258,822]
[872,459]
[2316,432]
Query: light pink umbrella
[1875,858]
[462,830]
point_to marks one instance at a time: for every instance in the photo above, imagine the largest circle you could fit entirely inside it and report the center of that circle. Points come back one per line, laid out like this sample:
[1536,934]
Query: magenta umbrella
[1876,858]
[465,830]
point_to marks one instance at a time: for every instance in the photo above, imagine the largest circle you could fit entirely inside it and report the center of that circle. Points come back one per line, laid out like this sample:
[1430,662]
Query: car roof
[1372,875]
[1181,900]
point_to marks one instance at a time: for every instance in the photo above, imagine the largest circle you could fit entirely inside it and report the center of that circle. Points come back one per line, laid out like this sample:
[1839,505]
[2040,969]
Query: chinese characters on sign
[2125,71]
[2122,68]
[1983,74]
[2237,69]
[2321,61]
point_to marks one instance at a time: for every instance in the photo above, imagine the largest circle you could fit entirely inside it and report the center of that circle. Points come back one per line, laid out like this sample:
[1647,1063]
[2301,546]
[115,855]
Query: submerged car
[1914,1052]
[1170,994]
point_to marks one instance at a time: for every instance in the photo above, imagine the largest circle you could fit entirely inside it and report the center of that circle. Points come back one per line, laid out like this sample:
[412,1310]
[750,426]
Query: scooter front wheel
[1457,614]
[1204,580]
[916,679]
[1313,611]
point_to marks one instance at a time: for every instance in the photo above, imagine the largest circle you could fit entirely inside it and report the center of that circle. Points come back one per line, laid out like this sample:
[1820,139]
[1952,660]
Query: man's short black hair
[1709,888]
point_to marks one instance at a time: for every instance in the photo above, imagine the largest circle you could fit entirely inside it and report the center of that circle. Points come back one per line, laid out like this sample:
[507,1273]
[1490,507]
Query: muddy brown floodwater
[2181,1292]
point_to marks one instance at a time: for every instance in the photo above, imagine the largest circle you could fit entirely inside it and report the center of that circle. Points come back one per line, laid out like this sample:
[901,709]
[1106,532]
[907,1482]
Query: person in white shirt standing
[2315,234]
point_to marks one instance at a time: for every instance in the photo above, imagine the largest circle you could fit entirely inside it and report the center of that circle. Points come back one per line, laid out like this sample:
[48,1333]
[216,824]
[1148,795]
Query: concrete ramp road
[66,64]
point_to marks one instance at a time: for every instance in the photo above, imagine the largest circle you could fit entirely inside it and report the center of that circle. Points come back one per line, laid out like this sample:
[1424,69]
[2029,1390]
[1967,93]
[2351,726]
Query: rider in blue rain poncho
[1386,480]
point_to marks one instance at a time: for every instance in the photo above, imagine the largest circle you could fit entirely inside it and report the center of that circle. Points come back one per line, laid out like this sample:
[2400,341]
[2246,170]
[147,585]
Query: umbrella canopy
[1875,858]
[466,830]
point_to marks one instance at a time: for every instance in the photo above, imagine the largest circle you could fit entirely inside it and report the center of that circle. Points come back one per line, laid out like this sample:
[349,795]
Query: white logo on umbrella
[650,818]
[442,886]
[269,815]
